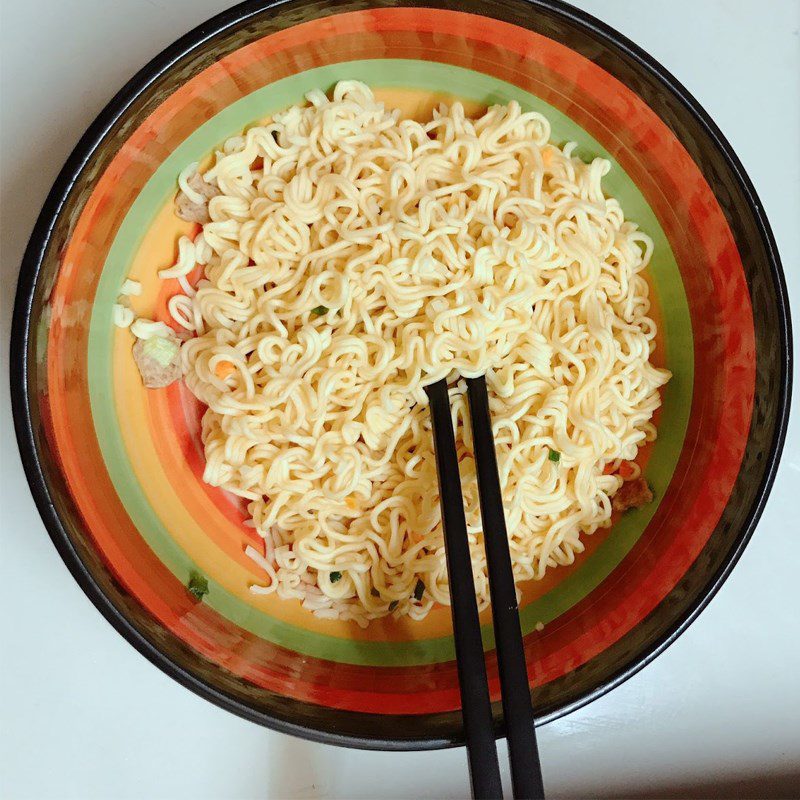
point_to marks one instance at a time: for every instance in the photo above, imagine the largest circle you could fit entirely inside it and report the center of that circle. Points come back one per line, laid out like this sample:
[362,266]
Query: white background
[85,716]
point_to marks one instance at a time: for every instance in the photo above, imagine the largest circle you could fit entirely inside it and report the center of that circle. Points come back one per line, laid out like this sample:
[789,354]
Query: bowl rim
[21,397]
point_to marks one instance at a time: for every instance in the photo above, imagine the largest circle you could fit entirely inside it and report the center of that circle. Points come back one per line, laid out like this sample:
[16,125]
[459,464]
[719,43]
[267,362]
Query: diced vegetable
[147,329]
[198,584]
[336,576]
[161,349]
[554,456]
[130,287]
[223,369]
[123,317]
[626,469]
[320,310]
[419,590]
[393,605]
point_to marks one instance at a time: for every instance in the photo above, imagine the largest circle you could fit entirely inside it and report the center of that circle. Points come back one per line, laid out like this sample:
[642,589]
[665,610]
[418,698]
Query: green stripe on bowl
[407,74]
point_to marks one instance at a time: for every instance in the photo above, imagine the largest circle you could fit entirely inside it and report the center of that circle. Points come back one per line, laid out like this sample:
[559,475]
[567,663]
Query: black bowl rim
[21,406]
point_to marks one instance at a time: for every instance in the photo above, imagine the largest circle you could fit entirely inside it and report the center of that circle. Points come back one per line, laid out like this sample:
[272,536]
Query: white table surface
[85,716]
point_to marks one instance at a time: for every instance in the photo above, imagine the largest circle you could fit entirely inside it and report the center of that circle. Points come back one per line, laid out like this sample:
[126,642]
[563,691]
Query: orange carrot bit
[609,468]
[223,369]
[626,470]
[547,156]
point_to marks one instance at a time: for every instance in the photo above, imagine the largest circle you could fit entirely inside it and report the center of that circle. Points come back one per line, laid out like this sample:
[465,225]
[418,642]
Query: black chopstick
[523,753]
[476,706]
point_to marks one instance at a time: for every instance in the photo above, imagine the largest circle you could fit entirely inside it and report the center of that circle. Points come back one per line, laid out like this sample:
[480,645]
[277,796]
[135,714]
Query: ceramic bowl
[116,469]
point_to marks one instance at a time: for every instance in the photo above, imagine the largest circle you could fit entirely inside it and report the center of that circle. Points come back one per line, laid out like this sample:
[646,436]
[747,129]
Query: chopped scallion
[198,584]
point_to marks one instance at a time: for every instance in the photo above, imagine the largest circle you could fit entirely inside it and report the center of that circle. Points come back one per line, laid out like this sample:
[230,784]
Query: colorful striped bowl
[116,469]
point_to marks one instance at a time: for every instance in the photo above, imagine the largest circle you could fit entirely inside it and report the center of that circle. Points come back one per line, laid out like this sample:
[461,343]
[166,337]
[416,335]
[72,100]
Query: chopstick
[523,752]
[476,707]
[526,776]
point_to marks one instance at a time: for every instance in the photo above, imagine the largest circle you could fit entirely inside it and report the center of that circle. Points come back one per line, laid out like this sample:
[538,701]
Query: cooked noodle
[354,257]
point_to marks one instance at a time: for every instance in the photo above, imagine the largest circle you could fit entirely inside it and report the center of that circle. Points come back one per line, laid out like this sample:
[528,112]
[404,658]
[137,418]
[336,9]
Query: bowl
[116,470]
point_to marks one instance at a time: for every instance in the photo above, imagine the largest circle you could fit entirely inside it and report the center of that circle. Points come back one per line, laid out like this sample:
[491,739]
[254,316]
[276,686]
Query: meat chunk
[632,494]
[159,360]
[191,211]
